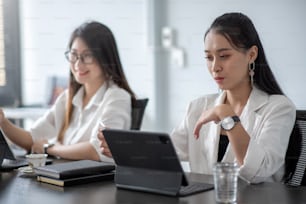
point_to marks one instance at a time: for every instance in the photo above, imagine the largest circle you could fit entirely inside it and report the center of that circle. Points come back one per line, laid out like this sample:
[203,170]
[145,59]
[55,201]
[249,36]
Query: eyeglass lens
[86,58]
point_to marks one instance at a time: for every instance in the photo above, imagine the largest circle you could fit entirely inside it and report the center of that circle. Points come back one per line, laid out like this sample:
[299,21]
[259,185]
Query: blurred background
[160,44]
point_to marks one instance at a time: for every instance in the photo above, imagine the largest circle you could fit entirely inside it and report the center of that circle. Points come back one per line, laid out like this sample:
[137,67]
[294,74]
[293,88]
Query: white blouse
[111,105]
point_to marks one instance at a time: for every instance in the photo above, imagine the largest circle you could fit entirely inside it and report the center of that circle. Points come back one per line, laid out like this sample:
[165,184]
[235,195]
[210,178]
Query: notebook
[147,161]
[77,180]
[74,169]
[10,161]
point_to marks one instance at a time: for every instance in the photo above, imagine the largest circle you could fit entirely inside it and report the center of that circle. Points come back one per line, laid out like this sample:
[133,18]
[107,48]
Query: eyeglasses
[86,58]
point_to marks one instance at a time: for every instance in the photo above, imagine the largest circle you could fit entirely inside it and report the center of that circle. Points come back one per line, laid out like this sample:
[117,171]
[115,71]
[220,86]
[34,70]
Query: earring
[252,72]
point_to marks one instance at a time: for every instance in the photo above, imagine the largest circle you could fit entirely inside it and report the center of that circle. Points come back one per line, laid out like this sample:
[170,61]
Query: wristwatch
[229,122]
[46,146]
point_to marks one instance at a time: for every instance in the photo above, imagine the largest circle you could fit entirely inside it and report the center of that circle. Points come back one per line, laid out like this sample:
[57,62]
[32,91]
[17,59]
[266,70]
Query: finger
[106,152]
[100,135]
[197,129]
[104,144]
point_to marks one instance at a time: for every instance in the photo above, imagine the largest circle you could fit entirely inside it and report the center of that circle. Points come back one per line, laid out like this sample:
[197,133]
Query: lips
[82,73]
[219,79]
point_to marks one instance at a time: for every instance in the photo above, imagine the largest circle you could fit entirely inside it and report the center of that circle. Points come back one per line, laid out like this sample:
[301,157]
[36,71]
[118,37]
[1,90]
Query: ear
[253,52]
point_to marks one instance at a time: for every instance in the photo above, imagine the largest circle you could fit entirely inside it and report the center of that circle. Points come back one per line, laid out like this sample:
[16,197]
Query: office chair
[295,160]
[56,85]
[138,109]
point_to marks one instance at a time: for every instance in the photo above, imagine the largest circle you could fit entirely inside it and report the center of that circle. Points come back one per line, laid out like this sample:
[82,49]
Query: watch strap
[236,118]
[46,146]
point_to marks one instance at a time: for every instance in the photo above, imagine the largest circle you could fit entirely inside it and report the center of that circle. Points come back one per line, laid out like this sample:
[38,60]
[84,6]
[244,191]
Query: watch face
[227,123]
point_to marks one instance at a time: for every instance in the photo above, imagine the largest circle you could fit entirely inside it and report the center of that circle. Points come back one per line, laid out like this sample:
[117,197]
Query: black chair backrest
[138,109]
[295,160]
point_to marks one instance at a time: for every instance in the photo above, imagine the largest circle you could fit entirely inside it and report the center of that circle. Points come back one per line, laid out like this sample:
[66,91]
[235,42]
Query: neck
[90,91]
[237,99]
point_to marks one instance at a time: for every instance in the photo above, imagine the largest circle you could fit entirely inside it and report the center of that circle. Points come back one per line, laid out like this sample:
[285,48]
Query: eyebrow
[220,50]
[84,51]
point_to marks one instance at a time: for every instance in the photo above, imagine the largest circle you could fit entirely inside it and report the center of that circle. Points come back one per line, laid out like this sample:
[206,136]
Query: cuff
[252,163]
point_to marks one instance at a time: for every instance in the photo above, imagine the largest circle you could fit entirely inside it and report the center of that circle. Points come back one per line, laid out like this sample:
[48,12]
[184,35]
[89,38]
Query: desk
[24,113]
[18,188]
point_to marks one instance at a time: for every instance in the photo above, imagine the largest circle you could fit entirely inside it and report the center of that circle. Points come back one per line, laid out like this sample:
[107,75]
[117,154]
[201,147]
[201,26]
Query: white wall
[280,24]
[47,24]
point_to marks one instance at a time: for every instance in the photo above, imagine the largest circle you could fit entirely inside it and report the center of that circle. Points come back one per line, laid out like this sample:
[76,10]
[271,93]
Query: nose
[79,62]
[77,66]
[215,66]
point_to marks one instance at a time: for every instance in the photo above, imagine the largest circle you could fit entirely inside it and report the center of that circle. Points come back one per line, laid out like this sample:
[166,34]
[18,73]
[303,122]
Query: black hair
[239,30]
[101,42]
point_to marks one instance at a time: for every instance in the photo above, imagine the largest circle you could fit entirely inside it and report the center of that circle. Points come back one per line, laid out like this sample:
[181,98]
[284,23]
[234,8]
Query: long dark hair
[239,30]
[101,42]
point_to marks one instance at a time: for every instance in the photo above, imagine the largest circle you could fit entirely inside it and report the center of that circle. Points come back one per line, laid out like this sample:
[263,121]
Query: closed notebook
[77,180]
[74,169]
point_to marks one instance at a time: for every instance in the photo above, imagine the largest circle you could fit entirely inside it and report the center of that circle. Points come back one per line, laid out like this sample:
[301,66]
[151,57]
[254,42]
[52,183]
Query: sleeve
[179,137]
[267,147]
[49,125]
[115,114]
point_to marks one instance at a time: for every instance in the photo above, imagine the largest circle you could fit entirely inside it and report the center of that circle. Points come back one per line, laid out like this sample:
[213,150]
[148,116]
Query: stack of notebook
[75,172]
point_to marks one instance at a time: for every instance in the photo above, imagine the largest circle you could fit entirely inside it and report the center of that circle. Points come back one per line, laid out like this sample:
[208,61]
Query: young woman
[250,121]
[98,92]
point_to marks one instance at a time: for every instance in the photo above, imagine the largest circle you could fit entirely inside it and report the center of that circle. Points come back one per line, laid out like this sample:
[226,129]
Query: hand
[38,146]
[215,114]
[104,147]
[2,116]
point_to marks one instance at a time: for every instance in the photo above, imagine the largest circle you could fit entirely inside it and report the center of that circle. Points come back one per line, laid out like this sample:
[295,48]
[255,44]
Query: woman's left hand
[104,147]
[215,114]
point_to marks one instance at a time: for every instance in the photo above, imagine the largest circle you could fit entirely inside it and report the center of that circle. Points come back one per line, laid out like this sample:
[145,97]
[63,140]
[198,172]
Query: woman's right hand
[2,116]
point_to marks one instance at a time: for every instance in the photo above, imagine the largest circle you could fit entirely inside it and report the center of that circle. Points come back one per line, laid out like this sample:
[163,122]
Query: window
[10,66]
[2,51]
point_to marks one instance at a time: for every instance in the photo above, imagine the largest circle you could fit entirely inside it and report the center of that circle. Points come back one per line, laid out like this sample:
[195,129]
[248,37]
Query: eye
[73,55]
[224,56]
[209,58]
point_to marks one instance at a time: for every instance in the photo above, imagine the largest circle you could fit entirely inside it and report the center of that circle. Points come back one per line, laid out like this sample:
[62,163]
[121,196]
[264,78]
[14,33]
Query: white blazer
[268,119]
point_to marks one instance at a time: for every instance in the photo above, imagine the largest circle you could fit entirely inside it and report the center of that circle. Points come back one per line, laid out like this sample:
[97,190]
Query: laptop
[8,159]
[147,161]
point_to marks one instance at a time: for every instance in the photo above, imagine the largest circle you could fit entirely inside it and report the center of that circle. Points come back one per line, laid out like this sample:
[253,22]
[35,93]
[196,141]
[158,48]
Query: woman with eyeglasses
[98,93]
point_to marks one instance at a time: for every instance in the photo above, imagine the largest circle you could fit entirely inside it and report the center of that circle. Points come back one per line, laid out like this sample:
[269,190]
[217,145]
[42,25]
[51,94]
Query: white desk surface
[24,112]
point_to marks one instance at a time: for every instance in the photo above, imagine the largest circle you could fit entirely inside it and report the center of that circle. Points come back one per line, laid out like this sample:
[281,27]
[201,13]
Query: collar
[257,99]
[95,100]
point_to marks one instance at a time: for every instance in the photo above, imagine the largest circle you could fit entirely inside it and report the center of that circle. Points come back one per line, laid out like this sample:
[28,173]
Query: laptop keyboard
[195,188]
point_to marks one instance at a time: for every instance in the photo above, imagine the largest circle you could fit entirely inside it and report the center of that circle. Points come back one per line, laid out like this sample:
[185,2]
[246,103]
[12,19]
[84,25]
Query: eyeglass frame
[80,57]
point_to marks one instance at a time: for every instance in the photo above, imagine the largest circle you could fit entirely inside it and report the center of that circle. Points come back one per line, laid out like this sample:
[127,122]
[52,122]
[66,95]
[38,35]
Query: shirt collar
[94,101]
[256,99]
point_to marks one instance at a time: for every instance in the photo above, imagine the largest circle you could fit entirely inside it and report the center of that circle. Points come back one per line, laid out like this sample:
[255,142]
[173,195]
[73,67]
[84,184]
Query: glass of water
[226,181]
